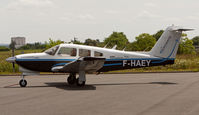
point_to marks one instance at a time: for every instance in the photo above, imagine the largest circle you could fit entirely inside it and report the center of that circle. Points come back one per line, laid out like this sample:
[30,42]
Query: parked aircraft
[80,59]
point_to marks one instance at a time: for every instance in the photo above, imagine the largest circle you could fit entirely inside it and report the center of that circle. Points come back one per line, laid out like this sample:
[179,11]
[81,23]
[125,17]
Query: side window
[64,51]
[98,54]
[84,52]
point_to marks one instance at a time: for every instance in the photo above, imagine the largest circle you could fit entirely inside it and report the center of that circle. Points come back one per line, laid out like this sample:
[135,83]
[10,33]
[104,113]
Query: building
[19,41]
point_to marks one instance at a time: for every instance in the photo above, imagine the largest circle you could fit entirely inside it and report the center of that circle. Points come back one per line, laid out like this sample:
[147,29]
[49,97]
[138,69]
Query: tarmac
[104,94]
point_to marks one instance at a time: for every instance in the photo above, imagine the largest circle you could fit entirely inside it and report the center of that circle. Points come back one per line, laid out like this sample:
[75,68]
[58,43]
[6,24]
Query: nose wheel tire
[82,83]
[71,80]
[23,83]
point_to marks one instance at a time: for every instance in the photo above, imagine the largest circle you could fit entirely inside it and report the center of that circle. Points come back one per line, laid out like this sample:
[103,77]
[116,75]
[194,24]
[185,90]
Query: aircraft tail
[167,45]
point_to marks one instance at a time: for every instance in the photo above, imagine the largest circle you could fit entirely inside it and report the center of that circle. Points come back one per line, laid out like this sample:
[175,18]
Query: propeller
[12,59]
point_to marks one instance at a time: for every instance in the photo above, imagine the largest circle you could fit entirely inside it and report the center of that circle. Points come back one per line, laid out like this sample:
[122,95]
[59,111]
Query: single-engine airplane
[80,59]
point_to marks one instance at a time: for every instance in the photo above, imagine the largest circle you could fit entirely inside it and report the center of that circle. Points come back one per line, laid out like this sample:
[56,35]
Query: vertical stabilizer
[167,45]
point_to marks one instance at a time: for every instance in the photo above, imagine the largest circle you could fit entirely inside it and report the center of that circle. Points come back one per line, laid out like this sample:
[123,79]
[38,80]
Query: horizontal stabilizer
[181,29]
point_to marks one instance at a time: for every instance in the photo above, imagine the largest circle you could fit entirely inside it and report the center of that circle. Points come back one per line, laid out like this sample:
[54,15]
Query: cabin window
[98,54]
[64,51]
[52,50]
[84,52]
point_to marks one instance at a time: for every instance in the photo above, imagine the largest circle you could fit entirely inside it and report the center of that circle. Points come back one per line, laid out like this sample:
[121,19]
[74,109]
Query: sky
[39,20]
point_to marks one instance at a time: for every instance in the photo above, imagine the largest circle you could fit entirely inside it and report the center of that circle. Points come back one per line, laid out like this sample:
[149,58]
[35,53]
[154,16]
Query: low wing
[87,64]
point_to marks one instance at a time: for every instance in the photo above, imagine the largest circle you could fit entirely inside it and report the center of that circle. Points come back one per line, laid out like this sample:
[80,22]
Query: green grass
[182,63]
[6,67]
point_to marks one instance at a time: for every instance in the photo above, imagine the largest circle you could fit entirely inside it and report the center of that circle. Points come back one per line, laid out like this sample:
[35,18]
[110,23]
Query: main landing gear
[79,81]
[71,79]
[23,82]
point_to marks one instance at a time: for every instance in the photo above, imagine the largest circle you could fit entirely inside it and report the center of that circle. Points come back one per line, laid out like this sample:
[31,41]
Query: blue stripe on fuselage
[106,59]
[112,64]
[159,60]
[140,59]
[59,64]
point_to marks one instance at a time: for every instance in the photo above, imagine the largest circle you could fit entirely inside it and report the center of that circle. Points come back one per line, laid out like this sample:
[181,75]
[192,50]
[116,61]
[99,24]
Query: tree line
[143,42]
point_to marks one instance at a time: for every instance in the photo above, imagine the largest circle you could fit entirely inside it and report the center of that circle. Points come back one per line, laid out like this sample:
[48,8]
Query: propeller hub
[11,59]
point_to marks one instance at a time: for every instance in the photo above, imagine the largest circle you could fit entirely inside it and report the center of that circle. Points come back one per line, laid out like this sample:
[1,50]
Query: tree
[12,45]
[36,45]
[158,34]
[52,43]
[196,40]
[143,42]
[186,45]
[91,42]
[116,38]
[75,41]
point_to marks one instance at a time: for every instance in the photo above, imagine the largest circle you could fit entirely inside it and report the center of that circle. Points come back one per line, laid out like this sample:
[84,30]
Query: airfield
[104,94]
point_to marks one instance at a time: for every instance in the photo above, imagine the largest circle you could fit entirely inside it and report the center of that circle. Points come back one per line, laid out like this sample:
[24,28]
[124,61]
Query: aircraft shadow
[159,83]
[60,85]
[65,86]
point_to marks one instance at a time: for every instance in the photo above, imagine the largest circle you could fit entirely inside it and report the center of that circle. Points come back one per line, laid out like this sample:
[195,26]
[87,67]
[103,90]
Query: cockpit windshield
[52,50]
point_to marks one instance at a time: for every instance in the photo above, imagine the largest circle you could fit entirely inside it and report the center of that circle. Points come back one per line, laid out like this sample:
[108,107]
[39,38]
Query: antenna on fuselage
[106,45]
[146,49]
[114,47]
[124,49]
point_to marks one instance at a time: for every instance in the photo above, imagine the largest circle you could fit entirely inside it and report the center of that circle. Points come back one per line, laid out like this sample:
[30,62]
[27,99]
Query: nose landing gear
[23,82]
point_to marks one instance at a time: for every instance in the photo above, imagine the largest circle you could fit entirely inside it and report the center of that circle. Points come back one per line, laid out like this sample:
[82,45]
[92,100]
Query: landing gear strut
[82,78]
[23,82]
[80,83]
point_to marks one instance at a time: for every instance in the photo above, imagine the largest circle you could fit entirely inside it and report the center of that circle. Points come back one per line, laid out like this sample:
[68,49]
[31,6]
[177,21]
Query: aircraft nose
[11,59]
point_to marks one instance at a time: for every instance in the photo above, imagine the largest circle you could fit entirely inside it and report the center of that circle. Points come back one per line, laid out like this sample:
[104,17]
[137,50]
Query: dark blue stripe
[140,59]
[165,59]
[112,64]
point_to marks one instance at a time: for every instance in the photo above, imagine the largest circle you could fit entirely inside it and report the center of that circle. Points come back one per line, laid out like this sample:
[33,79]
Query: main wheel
[82,83]
[23,83]
[71,80]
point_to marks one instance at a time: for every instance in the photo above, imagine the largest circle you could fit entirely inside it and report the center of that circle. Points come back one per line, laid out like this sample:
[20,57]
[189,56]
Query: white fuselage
[115,59]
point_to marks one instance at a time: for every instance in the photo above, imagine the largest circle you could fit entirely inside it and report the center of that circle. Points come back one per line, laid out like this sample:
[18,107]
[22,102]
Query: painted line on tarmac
[8,86]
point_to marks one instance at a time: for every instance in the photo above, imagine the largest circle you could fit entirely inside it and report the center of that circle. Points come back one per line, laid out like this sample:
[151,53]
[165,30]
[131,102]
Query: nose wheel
[23,83]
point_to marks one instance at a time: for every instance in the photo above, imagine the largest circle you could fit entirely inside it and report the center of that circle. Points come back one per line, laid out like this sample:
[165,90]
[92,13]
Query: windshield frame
[52,50]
